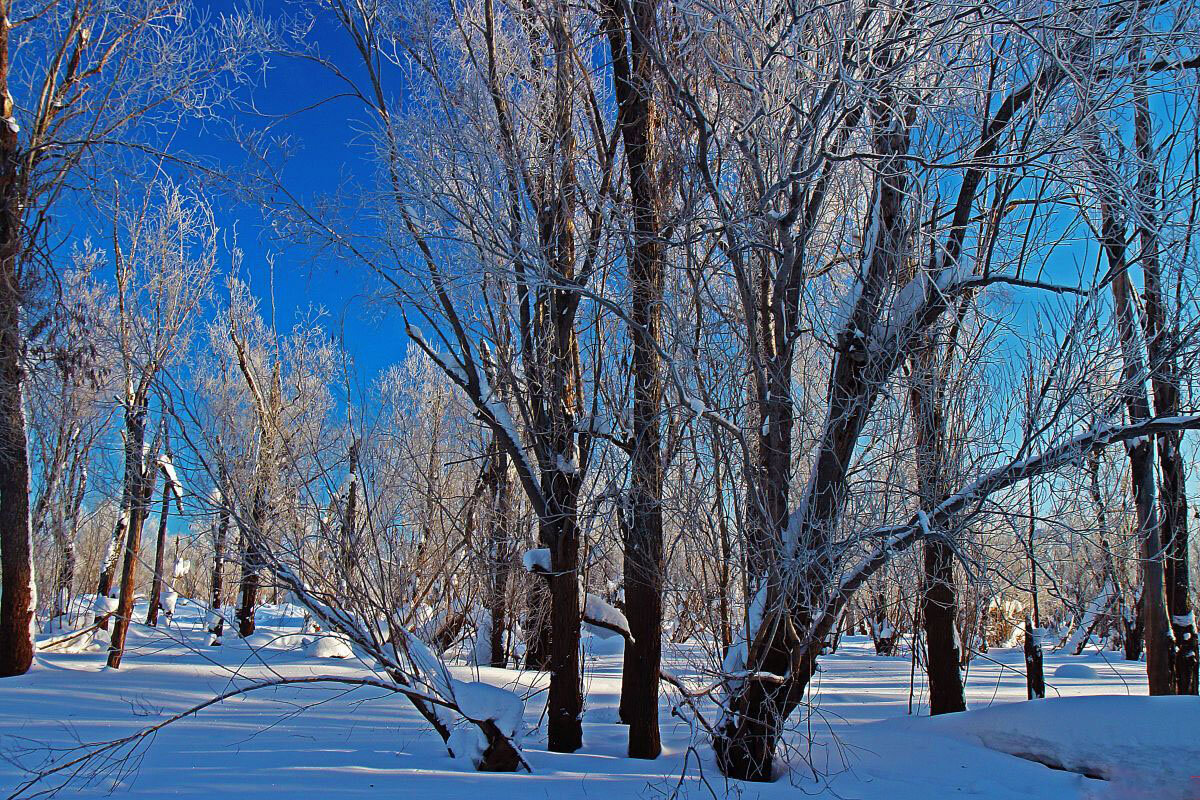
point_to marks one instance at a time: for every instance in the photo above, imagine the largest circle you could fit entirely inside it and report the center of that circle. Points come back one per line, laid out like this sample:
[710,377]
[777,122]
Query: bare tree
[166,256]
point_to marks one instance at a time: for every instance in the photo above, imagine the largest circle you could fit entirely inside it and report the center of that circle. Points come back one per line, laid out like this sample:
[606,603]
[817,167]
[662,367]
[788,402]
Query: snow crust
[1142,746]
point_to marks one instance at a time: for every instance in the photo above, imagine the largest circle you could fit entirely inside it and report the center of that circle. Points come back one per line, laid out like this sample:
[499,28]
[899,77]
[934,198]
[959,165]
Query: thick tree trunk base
[1187,659]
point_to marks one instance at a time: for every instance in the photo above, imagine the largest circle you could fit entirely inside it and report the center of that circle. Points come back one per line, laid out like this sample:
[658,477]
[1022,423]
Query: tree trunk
[939,599]
[160,552]
[252,563]
[1131,623]
[639,122]
[500,554]
[565,701]
[1161,338]
[216,622]
[349,529]
[1035,681]
[140,476]
[1156,630]
[17,603]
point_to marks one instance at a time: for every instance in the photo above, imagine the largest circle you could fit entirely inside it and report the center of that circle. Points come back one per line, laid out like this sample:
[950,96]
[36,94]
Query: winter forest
[599,398]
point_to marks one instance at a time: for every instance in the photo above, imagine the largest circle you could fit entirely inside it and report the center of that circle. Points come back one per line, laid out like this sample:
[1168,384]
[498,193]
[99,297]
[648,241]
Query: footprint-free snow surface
[1097,736]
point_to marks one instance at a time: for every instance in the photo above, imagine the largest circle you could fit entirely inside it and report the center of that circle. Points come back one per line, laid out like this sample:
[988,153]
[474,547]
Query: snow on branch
[600,614]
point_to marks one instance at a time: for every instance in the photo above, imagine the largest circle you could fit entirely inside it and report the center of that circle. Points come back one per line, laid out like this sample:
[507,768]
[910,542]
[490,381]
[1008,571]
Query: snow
[1137,746]
[168,467]
[536,560]
[330,646]
[431,668]
[1075,671]
[1083,631]
[315,742]
[169,600]
[480,701]
[614,622]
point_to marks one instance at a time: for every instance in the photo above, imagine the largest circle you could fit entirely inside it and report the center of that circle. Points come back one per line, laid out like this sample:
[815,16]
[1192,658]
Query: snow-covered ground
[324,742]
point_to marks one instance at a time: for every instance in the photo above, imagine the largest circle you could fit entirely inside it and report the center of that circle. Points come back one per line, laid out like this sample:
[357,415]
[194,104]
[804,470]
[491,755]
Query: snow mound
[1142,746]
[329,646]
[468,744]
[1074,671]
[481,701]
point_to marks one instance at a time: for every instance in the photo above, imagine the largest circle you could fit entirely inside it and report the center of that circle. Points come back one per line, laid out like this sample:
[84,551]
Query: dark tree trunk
[939,599]
[565,702]
[756,709]
[348,535]
[1161,338]
[1031,546]
[1035,681]
[216,625]
[252,562]
[140,477]
[938,611]
[1156,627]
[639,123]
[500,554]
[16,545]
[1131,623]
[160,554]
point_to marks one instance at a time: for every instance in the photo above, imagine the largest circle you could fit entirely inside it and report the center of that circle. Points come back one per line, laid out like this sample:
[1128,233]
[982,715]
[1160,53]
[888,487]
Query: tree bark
[17,605]
[139,475]
[160,552]
[1156,629]
[782,660]
[639,121]
[1035,681]
[252,562]
[500,554]
[216,625]
[939,599]
[1161,335]
[565,701]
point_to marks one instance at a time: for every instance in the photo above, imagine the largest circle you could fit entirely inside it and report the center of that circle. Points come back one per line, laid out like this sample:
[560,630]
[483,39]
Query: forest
[645,397]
